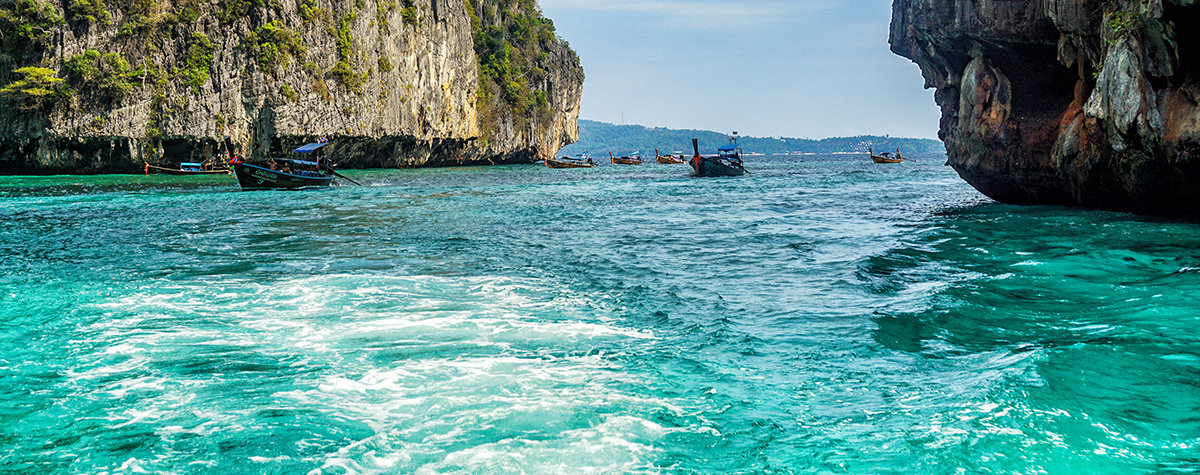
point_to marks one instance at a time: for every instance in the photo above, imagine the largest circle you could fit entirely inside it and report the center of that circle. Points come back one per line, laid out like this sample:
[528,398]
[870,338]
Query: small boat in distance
[635,159]
[728,161]
[669,159]
[582,160]
[886,157]
[283,173]
[189,168]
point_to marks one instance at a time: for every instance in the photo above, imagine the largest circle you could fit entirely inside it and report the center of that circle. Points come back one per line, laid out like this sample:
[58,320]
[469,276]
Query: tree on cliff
[37,88]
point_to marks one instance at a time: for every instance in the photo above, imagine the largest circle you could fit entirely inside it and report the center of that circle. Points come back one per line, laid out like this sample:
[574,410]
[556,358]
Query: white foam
[122,388]
[618,445]
[258,459]
[132,465]
[519,355]
[413,412]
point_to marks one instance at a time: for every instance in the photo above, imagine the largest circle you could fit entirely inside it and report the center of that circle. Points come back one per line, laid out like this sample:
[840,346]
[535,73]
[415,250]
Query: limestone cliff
[1088,102]
[98,87]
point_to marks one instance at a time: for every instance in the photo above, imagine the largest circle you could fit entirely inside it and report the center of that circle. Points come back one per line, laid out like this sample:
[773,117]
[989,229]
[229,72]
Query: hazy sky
[795,68]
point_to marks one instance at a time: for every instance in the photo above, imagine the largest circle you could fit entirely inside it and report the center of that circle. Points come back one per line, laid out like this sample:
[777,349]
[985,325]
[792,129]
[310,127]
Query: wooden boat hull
[555,163]
[176,171]
[884,159]
[714,166]
[671,160]
[627,161]
[253,177]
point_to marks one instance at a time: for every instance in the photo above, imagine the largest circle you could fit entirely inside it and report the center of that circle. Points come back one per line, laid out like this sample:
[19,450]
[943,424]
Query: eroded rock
[1082,102]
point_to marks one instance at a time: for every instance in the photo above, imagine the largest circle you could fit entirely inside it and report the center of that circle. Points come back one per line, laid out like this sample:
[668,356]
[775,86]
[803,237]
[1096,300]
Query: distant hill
[601,138]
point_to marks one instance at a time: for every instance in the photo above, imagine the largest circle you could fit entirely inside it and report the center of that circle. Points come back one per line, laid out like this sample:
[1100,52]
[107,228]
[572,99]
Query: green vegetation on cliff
[106,75]
[26,28]
[233,10]
[344,71]
[197,61]
[25,22]
[89,11]
[409,13]
[512,43]
[508,48]
[274,45]
[37,88]
[150,41]
[153,37]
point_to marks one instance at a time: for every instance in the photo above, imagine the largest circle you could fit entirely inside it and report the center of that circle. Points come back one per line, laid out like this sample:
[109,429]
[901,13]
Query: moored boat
[669,159]
[634,159]
[188,168]
[277,173]
[886,157]
[261,177]
[580,161]
[728,161]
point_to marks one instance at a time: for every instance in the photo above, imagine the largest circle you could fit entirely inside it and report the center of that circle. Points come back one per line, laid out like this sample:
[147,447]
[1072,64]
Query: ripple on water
[381,373]
[822,315]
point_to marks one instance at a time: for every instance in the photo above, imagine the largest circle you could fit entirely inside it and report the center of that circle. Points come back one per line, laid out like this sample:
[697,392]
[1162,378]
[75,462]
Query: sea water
[819,314]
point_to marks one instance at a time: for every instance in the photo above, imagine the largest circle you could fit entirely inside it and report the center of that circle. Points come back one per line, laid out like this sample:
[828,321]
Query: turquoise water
[822,314]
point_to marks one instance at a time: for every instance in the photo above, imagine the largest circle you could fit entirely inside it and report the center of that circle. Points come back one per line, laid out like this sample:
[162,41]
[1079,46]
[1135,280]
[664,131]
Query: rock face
[392,83]
[1082,102]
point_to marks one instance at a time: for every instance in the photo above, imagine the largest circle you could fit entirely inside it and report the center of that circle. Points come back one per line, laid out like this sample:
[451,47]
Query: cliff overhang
[1078,102]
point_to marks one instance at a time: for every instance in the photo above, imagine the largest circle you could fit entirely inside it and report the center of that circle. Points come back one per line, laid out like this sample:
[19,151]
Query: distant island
[602,137]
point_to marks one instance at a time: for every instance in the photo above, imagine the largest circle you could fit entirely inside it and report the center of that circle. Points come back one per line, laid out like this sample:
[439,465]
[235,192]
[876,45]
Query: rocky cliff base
[1080,102]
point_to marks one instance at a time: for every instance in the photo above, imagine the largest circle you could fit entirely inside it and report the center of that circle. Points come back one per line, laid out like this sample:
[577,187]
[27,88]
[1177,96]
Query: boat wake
[370,373]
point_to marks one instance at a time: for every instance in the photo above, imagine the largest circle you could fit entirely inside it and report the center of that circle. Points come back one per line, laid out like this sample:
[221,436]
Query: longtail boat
[886,157]
[626,160]
[728,161]
[580,161]
[669,159]
[276,173]
[188,168]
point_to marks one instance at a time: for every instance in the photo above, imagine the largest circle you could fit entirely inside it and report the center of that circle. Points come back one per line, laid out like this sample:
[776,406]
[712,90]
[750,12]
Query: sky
[765,68]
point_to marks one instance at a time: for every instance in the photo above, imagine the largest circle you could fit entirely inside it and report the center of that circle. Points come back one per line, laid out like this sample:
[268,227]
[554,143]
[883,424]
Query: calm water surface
[821,314]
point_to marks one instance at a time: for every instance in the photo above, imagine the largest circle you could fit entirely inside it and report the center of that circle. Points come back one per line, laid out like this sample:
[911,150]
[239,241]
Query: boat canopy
[302,162]
[728,147]
[189,164]
[310,148]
